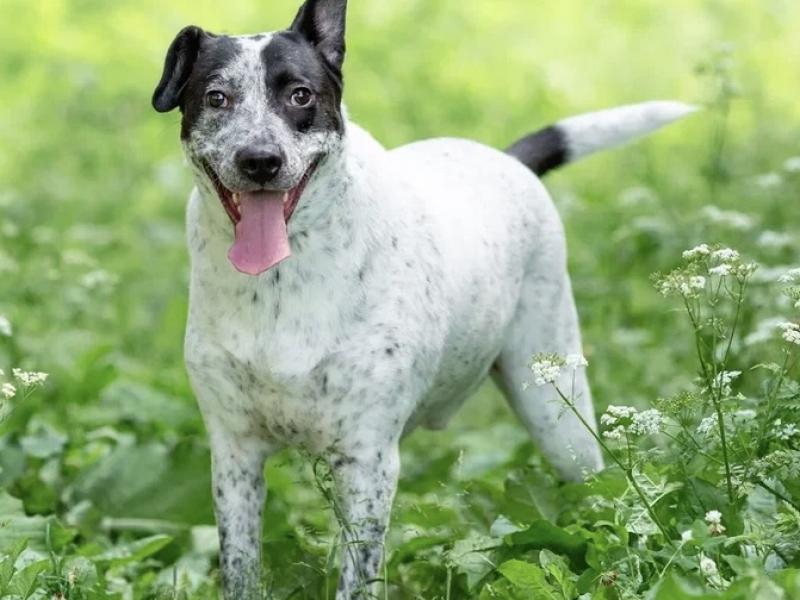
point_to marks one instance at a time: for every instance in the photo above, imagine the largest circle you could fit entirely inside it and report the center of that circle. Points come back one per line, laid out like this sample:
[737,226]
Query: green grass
[104,469]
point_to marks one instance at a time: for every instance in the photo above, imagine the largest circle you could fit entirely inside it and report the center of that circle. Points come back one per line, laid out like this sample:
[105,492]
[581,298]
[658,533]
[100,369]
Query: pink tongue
[261,237]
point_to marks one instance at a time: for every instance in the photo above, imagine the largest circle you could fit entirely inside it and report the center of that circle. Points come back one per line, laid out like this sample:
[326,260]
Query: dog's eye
[217,100]
[301,96]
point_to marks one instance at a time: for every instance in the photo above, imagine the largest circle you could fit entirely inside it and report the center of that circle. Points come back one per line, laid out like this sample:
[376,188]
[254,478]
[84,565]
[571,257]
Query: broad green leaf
[473,557]
[133,552]
[559,571]
[543,534]
[529,577]
[16,527]
[130,482]
[24,582]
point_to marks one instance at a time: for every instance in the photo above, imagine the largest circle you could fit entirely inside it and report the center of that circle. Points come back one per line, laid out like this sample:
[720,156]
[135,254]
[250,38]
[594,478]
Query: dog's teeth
[236,200]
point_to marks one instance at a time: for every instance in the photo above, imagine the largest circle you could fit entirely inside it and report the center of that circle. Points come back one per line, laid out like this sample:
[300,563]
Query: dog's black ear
[322,22]
[181,57]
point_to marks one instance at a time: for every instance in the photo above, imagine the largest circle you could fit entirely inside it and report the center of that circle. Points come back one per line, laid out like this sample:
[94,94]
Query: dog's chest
[263,343]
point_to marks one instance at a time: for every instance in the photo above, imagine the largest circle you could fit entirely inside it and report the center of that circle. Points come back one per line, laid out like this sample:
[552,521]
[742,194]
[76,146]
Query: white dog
[343,294]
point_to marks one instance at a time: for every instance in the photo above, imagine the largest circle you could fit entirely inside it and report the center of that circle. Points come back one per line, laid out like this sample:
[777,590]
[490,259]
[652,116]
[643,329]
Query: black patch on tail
[542,151]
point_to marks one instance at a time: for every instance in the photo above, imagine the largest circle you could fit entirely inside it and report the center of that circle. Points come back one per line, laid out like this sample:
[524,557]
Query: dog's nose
[259,164]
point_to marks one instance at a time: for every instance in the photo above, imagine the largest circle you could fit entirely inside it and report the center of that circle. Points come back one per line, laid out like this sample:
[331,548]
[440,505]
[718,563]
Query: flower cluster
[785,432]
[547,368]
[677,282]
[8,391]
[703,262]
[791,332]
[791,280]
[29,378]
[714,520]
[25,379]
[708,426]
[622,421]
[723,380]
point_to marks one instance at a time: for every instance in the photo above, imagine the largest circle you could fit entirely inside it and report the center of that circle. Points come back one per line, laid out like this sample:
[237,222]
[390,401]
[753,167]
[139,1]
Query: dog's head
[259,114]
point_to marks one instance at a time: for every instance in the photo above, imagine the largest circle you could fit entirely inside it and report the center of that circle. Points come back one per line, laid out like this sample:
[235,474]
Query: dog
[343,295]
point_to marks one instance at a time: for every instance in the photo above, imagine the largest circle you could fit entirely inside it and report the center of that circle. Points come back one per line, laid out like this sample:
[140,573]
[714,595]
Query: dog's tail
[580,136]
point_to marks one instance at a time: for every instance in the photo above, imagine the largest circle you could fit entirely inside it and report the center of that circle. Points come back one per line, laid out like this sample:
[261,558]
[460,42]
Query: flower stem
[628,470]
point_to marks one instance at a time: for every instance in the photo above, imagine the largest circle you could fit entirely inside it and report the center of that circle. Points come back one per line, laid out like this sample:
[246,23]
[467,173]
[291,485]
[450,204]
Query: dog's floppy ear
[322,22]
[181,57]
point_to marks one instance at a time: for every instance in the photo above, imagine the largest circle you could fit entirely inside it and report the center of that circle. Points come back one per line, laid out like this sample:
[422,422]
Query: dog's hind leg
[366,483]
[546,321]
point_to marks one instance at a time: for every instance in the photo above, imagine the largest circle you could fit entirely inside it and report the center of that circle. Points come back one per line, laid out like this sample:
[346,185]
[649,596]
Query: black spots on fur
[255,297]
[343,461]
[395,242]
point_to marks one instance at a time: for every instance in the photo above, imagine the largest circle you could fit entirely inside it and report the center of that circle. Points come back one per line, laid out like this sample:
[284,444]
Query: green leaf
[16,526]
[24,582]
[472,557]
[133,552]
[529,577]
[559,572]
[543,534]
[129,482]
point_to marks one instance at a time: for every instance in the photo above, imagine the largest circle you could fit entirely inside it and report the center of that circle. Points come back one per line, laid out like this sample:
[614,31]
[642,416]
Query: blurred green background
[93,270]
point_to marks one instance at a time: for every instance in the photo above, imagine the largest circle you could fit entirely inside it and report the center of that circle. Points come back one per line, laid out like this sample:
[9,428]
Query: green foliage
[104,466]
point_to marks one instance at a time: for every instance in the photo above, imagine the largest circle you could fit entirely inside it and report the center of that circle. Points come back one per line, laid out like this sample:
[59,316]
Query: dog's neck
[334,227]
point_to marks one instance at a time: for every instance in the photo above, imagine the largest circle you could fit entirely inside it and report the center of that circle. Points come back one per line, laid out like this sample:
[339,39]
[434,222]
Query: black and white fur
[414,272]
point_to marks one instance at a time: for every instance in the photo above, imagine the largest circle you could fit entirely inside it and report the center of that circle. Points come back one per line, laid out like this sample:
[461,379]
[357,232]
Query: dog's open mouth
[260,220]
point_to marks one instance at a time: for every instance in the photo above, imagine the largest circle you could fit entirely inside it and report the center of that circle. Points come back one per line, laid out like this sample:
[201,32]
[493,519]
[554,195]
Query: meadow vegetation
[684,250]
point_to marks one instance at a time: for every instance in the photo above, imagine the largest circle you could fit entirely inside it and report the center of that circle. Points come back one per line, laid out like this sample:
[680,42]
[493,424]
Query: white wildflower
[614,414]
[708,426]
[725,254]
[576,361]
[5,326]
[714,520]
[698,282]
[546,370]
[790,277]
[690,287]
[29,378]
[687,536]
[745,270]
[647,422]
[615,434]
[792,165]
[697,252]
[791,332]
[784,432]
[723,380]
[708,567]
[744,415]
[721,270]
[8,391]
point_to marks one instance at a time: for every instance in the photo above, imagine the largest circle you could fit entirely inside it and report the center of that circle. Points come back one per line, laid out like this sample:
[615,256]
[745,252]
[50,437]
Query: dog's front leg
[239,492]
[366,485]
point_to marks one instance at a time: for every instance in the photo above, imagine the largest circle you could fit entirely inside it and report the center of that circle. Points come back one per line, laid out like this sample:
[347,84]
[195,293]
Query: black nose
[259,164]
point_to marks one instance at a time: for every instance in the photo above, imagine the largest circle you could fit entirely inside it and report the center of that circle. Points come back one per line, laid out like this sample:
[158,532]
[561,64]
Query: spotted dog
[343,294]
